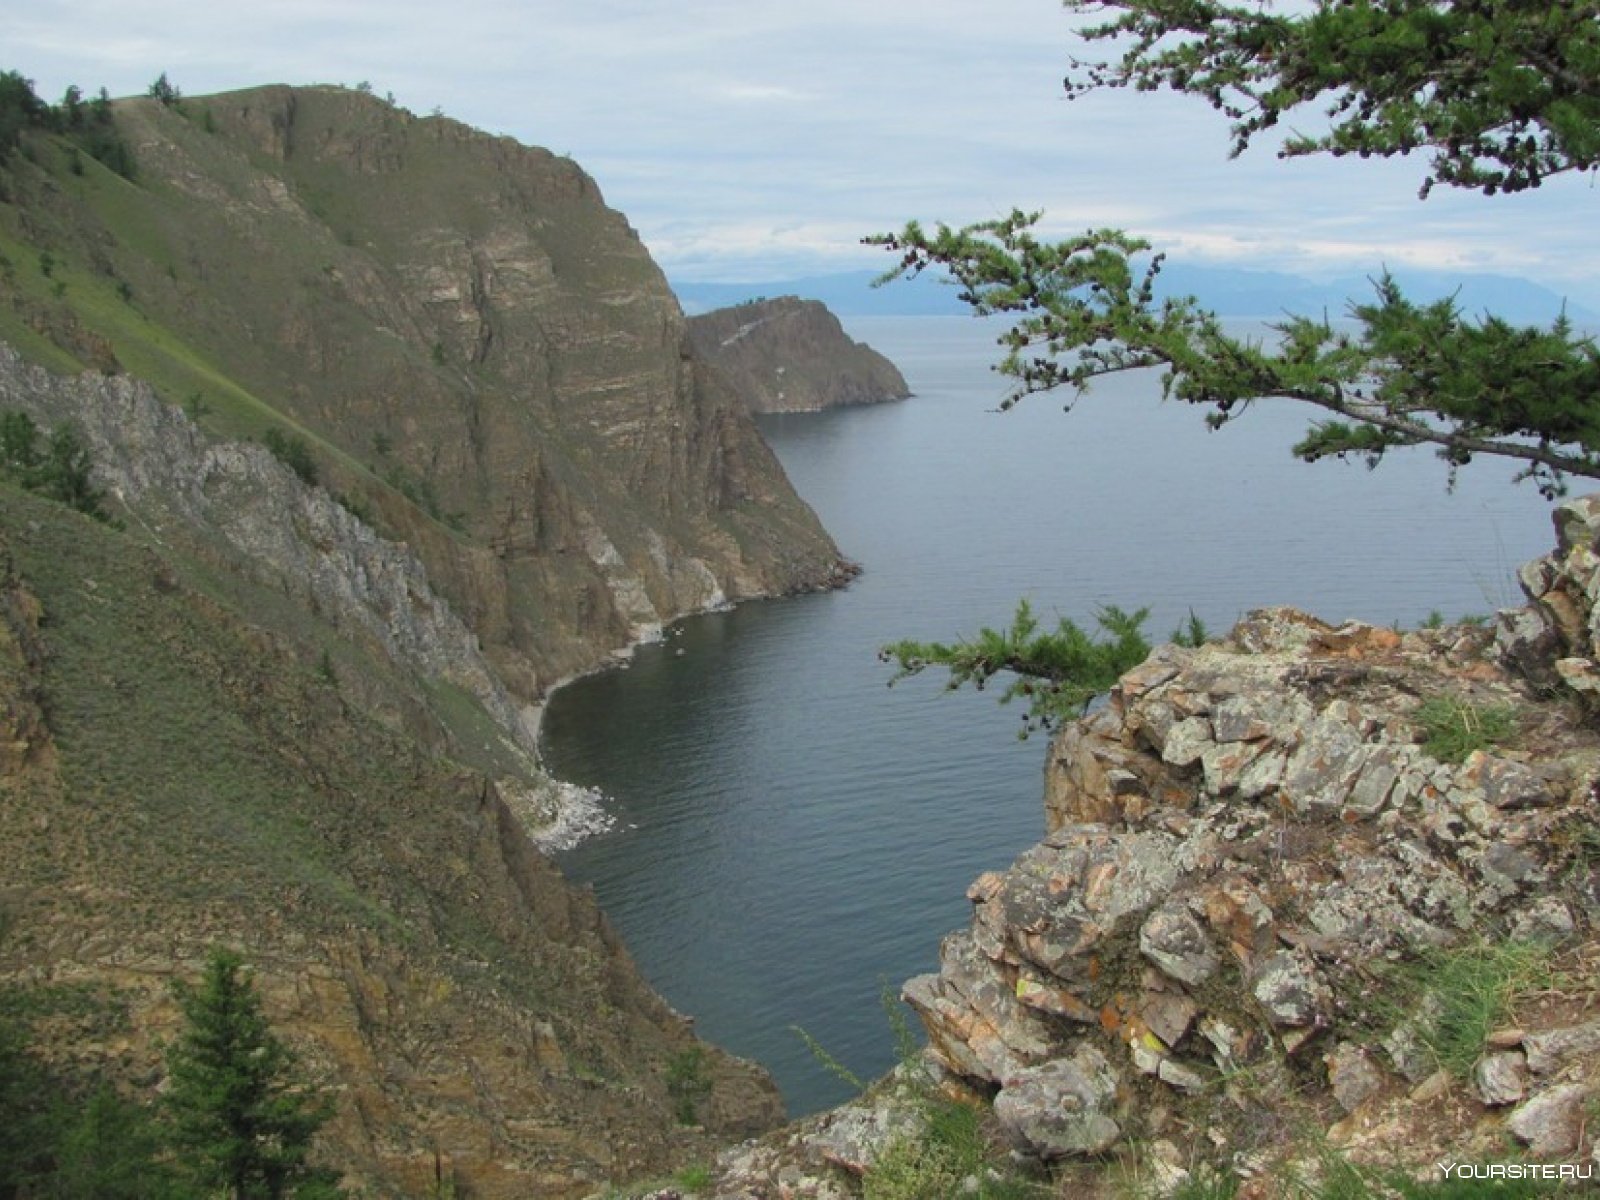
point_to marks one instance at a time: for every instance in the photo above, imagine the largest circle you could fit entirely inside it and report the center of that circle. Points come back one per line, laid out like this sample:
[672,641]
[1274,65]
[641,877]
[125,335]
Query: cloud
[731,129]
[761,93]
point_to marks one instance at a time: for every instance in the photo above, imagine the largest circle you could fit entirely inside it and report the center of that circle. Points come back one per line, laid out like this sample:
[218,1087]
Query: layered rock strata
[1240,844]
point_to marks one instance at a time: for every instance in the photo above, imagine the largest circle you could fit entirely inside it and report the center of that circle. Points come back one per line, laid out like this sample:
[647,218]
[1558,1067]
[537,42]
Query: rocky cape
[1241,950]
[792,355]
[285,701]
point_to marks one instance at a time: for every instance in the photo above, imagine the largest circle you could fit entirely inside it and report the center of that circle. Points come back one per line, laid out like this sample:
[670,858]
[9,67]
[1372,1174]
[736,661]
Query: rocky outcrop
[1267,882]
[792,355]
[1555,640]
[1242,843]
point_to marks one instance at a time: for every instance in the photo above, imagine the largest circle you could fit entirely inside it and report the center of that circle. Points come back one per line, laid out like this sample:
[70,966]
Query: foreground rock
[792,355]
[1262,887]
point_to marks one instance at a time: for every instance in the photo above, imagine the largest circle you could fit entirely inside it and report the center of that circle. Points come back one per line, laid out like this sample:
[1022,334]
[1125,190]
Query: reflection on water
[791,834]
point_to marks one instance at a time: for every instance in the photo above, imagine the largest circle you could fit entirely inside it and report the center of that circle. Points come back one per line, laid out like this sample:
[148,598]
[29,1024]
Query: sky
[755,140]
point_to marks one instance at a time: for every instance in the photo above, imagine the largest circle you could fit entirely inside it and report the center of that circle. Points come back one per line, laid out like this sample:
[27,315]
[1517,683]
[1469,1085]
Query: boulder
[1063,1107]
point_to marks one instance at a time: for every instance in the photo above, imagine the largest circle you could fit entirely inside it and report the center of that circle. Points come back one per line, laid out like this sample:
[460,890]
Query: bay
[793,836]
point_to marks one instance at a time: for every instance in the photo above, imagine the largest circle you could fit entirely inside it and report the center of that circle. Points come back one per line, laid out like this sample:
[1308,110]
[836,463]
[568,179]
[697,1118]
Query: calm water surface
[791,833]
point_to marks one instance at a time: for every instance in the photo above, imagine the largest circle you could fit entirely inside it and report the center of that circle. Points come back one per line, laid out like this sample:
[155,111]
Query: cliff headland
[792,355]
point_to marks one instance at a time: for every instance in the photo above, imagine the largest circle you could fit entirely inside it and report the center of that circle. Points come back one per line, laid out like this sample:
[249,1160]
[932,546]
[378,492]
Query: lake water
[792,835]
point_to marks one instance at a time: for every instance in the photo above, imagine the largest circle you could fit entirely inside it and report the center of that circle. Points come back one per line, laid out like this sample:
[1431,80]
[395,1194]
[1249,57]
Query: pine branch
[1057,672]
[1406,374]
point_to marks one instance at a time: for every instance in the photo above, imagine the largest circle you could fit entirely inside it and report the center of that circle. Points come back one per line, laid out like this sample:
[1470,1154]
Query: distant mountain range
[1230,292]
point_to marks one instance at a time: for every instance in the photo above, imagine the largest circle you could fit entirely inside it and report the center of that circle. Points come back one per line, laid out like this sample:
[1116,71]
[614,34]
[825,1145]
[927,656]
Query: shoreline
[580,812]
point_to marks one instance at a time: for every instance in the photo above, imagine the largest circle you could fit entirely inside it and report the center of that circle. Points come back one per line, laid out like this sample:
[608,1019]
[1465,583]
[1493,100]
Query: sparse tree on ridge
[1502,95]
[20,110]
[89,126]
[72,107]
[164,90]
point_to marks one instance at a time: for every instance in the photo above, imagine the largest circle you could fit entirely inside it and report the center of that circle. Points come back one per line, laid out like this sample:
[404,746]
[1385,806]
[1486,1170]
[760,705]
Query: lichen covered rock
[1245,847]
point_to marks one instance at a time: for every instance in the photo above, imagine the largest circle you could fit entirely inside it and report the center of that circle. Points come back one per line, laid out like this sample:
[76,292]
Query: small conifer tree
[109,1148]
[23,1121]
[239,1123]
[164,90]
[65,472]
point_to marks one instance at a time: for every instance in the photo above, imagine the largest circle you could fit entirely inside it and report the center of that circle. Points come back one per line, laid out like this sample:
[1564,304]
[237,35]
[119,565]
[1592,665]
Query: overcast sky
[761,139]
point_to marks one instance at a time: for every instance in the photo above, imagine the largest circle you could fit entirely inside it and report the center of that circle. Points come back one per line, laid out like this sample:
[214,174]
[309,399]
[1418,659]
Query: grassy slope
[113,277]
[142,265]
[195,741]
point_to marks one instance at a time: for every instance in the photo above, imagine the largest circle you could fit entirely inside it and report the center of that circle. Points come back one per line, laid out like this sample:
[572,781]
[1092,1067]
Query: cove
[792,835]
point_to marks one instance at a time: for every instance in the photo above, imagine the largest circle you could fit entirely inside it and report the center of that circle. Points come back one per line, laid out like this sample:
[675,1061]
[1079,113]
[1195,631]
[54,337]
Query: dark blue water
[792,834]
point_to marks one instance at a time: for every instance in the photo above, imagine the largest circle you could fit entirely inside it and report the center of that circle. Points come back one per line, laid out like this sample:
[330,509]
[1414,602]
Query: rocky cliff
[245,719]
[1314,899]
[282,703]
[477,352]
[249,514]
[792,355]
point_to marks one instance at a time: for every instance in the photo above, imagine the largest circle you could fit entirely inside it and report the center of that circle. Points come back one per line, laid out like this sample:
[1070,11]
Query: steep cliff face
[792,355]
[478,352]
[1309,895]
